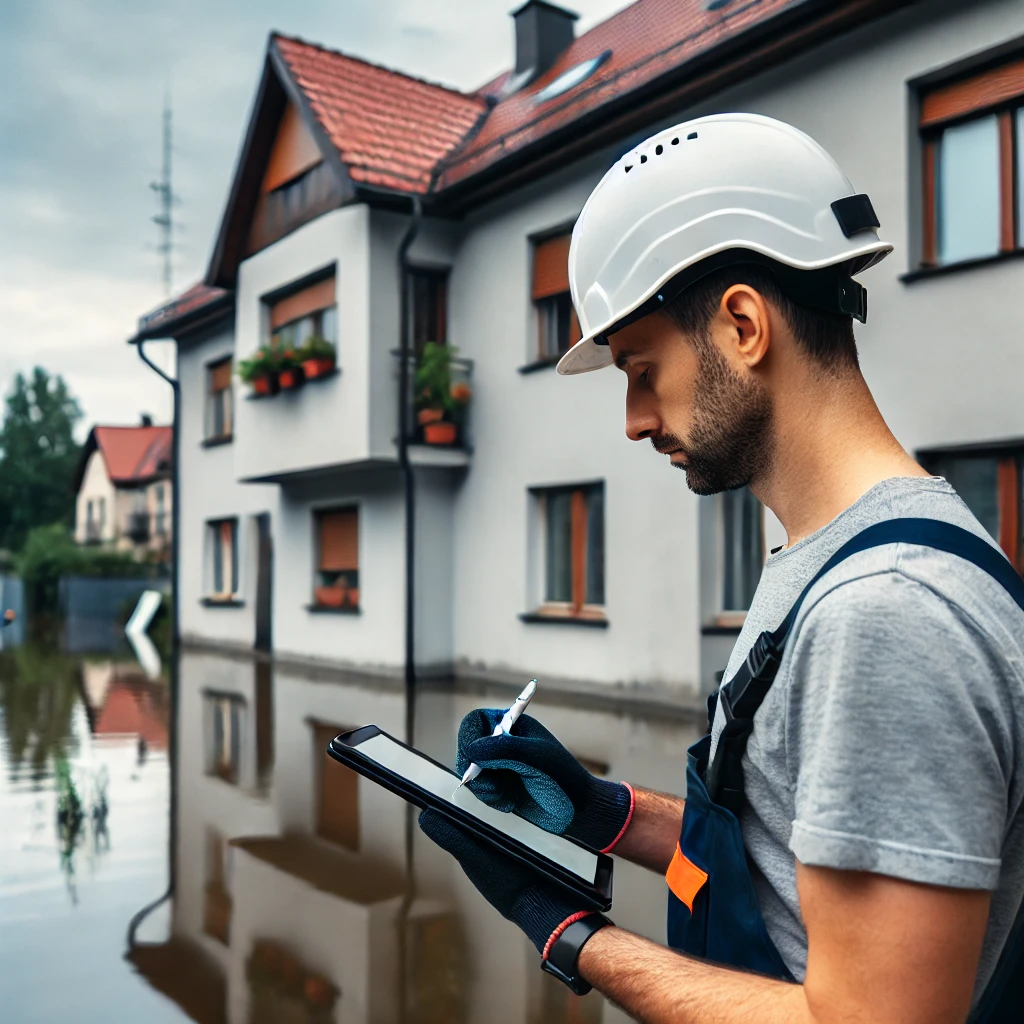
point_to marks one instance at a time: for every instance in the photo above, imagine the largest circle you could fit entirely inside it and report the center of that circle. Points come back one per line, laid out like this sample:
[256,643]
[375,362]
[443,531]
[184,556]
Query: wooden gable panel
[295,151]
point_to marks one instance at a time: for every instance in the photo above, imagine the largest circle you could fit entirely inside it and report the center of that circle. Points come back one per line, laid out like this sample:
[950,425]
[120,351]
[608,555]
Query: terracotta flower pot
[439,433]
[330,597]
[353,597]
[426,416]
[266,385]
[314,368]
[291,378]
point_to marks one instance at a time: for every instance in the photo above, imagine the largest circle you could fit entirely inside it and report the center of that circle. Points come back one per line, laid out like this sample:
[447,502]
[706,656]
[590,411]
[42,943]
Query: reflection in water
[83,841]
[302,895]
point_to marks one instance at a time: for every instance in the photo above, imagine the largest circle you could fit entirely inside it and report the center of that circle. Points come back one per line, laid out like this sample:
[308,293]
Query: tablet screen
[429,776]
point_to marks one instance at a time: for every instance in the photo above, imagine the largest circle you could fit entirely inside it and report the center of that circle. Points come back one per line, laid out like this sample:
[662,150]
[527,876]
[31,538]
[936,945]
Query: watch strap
[564,954]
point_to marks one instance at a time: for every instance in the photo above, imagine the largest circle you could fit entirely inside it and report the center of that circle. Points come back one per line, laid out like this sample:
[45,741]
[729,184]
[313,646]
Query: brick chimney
[543,33]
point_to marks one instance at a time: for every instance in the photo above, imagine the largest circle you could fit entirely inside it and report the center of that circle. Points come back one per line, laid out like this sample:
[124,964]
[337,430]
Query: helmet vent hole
[643,159]
[692,135]
[659,150]
[629,167]
[675,141]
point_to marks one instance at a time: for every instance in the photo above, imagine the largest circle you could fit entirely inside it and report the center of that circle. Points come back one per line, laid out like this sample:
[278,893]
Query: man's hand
[518,893]
[531,773]
[881,951]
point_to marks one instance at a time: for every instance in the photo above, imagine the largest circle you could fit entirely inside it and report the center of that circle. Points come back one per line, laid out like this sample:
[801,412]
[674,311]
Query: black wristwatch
[564,954]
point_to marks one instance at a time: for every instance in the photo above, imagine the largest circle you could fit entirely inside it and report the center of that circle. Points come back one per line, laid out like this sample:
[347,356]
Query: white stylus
[504,727]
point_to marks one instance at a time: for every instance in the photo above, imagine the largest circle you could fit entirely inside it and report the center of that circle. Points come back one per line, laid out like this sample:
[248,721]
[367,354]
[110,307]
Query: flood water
[302,892]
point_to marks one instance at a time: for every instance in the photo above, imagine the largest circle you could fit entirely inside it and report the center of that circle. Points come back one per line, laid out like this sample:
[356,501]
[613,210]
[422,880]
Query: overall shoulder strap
[748,688]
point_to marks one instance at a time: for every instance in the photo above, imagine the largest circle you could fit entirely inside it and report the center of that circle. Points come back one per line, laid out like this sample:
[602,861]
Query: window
[219,401]
[223,715]
[573,521]
[337,565]
[971,132]
[309,312]
[742,549]
[557,327]
[337,803]
[429,306]
[992,486]
[223,542]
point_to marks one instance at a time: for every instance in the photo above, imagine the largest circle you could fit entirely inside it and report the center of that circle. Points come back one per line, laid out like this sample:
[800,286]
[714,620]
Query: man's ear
[746,315]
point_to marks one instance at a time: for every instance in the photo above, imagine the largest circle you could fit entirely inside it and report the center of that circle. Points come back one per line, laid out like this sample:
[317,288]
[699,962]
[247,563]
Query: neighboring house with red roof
[123,487]
[361,190]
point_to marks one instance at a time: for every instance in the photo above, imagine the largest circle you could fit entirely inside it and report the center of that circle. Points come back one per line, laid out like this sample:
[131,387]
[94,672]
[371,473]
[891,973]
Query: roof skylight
[571,78]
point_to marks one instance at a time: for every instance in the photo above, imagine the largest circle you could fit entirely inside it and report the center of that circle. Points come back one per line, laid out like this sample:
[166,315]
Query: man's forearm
[653,984]
[650,840]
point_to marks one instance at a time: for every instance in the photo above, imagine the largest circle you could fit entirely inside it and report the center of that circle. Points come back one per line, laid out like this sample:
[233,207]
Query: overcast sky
[83,84]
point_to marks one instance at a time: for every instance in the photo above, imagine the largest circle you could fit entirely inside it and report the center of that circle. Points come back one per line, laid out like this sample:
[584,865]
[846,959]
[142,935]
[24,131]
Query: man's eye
[645,375]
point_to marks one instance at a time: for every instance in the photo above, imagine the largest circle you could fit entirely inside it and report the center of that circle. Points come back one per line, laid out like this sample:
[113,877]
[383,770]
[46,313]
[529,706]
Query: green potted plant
[290,375]
[432,386]
[317,356]
[261,371]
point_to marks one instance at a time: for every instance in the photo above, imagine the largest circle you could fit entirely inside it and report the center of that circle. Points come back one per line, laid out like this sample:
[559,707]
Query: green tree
[38,456]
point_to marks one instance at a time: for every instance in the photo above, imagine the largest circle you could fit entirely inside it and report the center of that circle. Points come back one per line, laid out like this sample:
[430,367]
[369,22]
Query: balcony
[439,431]
[346,419]
[137,527]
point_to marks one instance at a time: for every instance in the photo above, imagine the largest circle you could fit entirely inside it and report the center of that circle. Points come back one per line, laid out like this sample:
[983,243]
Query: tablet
[424,782]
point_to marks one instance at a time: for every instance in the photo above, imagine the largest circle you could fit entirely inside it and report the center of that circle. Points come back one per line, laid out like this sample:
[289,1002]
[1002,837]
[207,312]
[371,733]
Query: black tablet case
[593,896]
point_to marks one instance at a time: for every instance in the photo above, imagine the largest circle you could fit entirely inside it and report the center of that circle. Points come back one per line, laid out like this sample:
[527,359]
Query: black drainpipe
[409,484]
[408,477]
[172,675]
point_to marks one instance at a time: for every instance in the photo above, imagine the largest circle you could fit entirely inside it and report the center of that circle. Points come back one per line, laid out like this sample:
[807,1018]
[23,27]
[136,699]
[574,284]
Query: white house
[123,489]
[541,542]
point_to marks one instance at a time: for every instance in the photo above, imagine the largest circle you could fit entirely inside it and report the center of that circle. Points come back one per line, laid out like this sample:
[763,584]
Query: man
[876,866]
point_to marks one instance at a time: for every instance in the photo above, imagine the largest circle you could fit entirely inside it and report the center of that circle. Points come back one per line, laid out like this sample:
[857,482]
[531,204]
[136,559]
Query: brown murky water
[301,892]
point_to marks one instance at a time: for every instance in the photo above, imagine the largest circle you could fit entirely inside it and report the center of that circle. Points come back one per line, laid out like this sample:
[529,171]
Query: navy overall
[713,910]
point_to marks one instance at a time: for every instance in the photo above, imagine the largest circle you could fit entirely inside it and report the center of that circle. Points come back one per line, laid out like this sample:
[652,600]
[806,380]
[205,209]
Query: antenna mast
[166,199]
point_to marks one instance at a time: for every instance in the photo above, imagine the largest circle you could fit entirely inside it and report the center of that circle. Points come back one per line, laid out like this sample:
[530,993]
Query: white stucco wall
[209,490]
[326,422]
[373,637]
[96,486]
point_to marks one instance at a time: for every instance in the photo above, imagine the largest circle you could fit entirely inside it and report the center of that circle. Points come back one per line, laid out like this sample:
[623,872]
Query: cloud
[80,135]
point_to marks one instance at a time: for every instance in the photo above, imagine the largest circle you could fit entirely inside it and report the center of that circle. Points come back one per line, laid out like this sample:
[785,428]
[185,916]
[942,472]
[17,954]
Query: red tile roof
[645,40]
[390,129]
[401,133]
[133,455]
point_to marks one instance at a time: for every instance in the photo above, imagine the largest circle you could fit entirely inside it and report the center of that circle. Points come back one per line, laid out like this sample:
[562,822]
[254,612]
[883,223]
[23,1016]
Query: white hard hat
[720,190]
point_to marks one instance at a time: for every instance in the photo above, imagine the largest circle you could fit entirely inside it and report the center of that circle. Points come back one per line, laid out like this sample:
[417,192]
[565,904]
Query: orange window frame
[999,91]
[579,519]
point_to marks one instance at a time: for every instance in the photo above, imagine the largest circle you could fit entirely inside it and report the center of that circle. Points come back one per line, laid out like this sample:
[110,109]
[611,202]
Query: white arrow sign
[135,630]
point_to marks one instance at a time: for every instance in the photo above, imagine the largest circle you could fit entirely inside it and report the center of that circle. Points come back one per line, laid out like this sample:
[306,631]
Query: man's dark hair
[826,337]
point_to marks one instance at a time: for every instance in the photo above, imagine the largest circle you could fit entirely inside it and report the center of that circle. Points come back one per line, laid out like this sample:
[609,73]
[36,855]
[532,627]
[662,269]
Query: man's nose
[641,422]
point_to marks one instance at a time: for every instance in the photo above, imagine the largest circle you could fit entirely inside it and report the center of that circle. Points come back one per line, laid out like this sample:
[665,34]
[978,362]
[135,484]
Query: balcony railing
[450,429]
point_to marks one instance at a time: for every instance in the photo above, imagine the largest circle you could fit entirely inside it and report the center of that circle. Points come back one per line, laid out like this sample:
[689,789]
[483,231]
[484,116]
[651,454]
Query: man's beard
[733,438]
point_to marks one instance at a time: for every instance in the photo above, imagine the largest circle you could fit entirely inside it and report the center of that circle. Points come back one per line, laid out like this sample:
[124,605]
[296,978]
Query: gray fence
[12,595]
[92,610]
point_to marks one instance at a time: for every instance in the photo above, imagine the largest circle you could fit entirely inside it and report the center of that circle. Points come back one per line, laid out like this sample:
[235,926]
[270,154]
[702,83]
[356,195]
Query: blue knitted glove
[518,893]
[531,773]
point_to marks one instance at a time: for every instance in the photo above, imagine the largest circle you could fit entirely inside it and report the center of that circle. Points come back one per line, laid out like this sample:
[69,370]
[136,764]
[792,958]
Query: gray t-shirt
[892,740]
